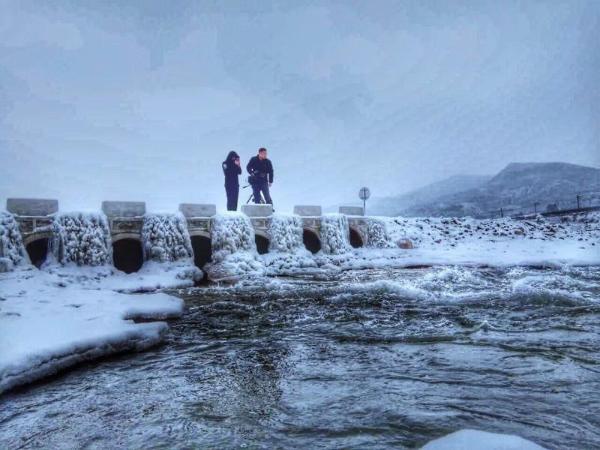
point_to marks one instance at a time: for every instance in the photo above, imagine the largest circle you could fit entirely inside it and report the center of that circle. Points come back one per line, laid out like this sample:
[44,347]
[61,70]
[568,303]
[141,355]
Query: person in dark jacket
[261,176]
[232,170]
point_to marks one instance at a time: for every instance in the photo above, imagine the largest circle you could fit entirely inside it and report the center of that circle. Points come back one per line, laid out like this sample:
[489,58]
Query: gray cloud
[142,100]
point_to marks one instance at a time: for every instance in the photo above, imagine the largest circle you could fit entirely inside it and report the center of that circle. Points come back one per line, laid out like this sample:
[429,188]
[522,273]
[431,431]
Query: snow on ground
[234,249]
[12,251]
[287,254]
[82,238]
[480,440]
[48,324]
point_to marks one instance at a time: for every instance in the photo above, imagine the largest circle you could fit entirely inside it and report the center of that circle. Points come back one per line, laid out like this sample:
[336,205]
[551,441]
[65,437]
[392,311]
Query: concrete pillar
[124,209]
[197,209]
[308,210]
[260,210]
[352,210]
[31,206]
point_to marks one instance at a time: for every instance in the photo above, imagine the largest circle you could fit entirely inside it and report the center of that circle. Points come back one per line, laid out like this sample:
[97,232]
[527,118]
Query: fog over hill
[516,189]
[394,205]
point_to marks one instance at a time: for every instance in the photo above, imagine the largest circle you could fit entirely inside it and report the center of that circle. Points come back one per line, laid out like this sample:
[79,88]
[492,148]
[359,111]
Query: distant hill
[394,205]
[515,189]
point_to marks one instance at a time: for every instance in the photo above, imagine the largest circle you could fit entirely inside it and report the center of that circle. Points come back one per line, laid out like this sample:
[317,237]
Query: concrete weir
[126,220]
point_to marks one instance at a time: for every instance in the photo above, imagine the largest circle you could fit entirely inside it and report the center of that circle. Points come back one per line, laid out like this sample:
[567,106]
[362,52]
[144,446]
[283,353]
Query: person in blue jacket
[232,169]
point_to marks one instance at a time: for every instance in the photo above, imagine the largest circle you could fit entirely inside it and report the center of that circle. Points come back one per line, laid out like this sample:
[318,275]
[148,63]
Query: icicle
[81,238]
[166,238]
[335,234]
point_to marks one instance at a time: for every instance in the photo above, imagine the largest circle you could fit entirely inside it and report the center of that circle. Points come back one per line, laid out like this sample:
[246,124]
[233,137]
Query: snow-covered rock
[81,238]
[234,248]
[12,250]
[165,238]
[480,440]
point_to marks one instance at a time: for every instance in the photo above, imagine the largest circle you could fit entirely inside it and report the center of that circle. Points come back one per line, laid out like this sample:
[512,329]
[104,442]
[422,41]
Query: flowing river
[369,359]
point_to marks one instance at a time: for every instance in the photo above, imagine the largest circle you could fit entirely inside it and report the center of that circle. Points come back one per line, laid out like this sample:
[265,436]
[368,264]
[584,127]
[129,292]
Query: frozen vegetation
[82,239]
[12,251]
[165,238]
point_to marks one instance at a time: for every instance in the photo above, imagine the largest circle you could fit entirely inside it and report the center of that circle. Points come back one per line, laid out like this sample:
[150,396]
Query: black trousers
[261,186]
[233,192]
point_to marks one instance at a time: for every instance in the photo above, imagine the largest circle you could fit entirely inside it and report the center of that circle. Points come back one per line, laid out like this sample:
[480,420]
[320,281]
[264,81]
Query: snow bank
[334,234]
[47,324]
[234,247]
[287,254]
[480,440]
[165,238]
[82,239]
[451,231]
[12,250]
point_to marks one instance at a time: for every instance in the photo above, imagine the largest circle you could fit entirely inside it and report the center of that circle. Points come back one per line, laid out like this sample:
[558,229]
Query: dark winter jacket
[231,170]
[261,168]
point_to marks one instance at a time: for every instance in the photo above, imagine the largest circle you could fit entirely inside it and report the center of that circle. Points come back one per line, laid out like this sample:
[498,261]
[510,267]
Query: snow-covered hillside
[515,189]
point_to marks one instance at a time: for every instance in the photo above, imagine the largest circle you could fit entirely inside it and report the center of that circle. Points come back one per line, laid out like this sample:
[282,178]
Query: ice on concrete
[12,250]
[234,248]
[377,235]
[334,234]
[165,238]
[48,324]
[287,254]
[82,239]
[480,440]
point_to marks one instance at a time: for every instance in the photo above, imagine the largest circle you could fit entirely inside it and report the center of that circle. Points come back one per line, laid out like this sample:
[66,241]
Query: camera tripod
[262,198]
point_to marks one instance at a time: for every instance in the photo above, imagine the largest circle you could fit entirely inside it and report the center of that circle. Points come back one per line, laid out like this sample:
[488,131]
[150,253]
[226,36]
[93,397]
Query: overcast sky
[125,100]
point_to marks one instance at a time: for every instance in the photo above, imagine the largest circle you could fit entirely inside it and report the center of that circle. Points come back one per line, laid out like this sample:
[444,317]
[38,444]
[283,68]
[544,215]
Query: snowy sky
[106,100]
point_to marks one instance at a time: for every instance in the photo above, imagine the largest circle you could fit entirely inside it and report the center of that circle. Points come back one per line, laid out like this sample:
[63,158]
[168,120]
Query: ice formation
[12,250]
[82,238]
[334,234]
[286,233]
[165,238]
[377,234]
[234,247]
[49,324]
[287,254]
